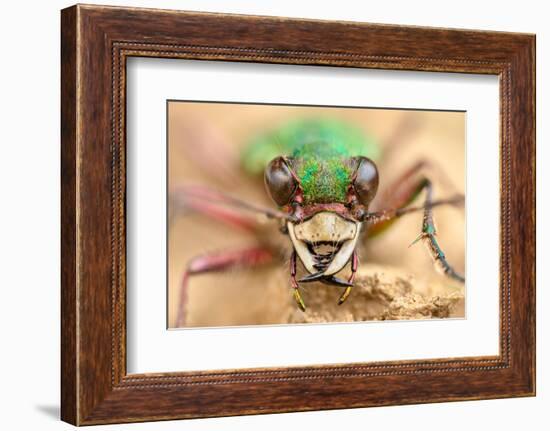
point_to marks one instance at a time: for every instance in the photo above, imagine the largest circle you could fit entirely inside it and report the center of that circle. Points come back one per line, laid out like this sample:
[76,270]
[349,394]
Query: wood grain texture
[68,217]
[96,41]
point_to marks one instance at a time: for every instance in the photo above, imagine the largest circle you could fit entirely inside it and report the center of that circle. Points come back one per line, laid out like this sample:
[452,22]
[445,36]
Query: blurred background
[205,141]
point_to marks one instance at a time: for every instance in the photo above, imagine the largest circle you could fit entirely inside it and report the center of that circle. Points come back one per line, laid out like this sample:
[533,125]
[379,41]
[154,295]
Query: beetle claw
[418,238]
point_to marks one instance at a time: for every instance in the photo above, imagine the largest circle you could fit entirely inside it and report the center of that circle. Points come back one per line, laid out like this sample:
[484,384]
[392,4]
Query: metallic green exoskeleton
[321,149]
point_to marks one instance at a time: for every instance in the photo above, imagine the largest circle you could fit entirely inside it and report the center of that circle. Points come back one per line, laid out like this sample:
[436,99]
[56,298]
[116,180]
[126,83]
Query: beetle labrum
[322,175]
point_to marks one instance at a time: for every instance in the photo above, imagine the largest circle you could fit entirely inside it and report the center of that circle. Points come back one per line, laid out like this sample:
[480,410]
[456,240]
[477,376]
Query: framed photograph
[217,148]
[279,215]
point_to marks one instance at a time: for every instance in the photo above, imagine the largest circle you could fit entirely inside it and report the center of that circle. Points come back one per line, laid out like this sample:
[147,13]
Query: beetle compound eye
[366,180]
[279,181]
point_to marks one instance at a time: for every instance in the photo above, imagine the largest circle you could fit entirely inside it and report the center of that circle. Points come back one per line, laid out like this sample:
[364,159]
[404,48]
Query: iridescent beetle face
[329,203]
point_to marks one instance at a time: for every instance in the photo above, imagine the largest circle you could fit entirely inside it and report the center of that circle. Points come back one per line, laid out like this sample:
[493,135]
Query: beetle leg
[218,262]
[378,221]
[428,236]
[294,283]
[213,211]
[212,202]
[403,191]
[354,265]
[428,232]
[399,196]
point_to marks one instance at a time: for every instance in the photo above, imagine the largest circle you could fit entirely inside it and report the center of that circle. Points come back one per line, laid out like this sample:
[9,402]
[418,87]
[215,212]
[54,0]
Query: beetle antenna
[183,193]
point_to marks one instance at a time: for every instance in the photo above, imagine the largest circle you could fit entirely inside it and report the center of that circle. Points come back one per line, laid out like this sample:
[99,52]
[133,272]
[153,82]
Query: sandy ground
[394,281]
[380,293]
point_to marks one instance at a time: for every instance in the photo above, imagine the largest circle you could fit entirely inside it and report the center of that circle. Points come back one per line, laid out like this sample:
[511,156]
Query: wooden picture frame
[96,41]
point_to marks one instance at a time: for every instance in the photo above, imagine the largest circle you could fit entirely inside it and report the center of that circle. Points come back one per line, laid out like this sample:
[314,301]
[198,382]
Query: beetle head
[326,230]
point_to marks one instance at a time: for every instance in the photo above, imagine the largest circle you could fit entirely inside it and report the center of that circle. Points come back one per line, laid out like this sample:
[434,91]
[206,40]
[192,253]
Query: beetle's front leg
[219,262]
[399,196]
[428,236]
[222,206]
[354,265]
[294,282]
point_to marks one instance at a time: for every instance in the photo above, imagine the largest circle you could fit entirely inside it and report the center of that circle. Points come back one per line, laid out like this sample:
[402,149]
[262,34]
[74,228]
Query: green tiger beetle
[323,177]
